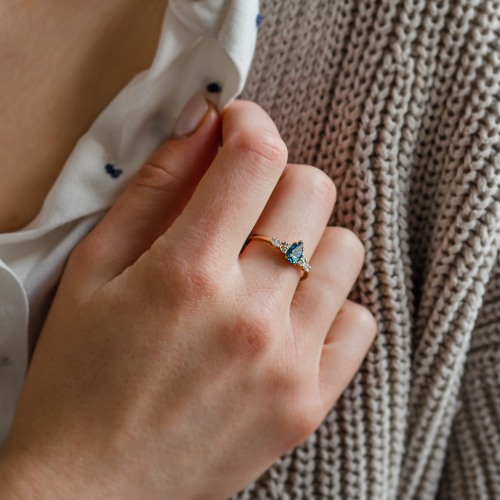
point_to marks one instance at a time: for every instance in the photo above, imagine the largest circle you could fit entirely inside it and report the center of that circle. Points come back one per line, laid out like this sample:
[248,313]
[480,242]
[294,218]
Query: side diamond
[285,246]
[306,267]
[275,243]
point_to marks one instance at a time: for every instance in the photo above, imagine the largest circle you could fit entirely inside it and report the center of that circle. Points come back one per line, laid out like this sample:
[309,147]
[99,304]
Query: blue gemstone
[295,252]
[258,20]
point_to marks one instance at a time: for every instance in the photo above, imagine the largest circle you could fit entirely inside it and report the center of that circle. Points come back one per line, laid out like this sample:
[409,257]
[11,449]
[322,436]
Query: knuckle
[155,175]
[250,334]
[296,407]
[298,420]
[195,280]
[320,185]
[199,279]
[350,243]
[262,147]
[189,278]
[362,317]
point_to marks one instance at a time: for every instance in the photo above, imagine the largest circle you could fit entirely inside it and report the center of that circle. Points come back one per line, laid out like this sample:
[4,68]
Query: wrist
[66,471]
[18,479]
[29,475]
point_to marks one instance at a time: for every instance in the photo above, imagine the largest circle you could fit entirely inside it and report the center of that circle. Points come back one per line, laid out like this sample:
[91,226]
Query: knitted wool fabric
[398,101]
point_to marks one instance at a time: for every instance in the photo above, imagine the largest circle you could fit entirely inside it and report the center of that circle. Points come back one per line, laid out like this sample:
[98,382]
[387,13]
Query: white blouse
[205,46]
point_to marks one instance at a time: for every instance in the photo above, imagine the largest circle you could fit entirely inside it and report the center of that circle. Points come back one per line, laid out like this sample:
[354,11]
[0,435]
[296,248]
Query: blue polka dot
[258,20]
[114,172]
[214,88]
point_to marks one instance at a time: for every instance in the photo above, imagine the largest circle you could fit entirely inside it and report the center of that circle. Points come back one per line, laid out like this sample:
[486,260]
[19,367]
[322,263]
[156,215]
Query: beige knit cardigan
[398,101]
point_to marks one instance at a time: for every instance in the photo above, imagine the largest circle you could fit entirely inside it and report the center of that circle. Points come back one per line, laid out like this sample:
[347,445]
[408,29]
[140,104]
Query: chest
[60,67]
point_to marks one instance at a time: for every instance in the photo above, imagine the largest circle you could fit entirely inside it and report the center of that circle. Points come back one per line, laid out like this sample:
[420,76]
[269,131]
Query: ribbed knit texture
[398,101]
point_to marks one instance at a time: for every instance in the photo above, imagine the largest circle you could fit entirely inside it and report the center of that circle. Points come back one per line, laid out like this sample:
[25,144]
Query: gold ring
[293,252]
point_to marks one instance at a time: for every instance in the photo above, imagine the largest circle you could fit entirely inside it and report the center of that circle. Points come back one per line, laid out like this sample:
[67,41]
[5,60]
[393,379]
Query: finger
[335,266]
[298,209]
[346,344]
[233,193]
[156,196]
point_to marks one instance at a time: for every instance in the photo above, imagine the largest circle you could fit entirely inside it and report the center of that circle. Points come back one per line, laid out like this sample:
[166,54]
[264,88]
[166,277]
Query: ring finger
[298,209]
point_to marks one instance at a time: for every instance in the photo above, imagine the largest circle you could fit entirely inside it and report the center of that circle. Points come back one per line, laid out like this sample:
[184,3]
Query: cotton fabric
[205,46]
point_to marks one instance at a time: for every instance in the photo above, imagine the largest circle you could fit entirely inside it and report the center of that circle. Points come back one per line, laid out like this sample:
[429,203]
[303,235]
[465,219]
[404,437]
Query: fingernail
[191,117]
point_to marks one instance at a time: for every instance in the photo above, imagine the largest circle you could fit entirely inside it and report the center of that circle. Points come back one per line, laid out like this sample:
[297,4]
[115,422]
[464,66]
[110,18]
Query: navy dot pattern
[114,172]
[214,88]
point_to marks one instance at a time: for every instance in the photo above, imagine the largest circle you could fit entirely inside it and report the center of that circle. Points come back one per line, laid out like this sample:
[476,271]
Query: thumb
[155,197]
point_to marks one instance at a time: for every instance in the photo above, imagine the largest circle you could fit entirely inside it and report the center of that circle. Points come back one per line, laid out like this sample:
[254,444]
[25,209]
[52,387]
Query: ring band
[293,252]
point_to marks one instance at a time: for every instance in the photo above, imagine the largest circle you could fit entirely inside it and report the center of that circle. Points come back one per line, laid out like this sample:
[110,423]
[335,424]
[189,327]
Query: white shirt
[205,45]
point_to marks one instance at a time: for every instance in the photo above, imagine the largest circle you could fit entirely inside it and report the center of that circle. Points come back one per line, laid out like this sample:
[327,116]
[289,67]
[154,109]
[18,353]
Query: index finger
[232,194]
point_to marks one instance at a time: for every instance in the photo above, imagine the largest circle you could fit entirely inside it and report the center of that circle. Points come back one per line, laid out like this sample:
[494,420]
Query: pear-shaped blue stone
[295,252]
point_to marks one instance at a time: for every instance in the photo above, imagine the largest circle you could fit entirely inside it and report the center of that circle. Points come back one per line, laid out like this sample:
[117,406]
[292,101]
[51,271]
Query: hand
[172,367]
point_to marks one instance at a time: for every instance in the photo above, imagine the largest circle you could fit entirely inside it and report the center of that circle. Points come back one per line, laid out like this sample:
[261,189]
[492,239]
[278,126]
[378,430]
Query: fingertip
[186,151]
[212,115]
[353,320]
[197,114]
[210,122]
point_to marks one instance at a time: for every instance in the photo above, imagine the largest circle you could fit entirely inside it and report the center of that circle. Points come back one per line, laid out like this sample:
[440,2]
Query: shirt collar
[202,42]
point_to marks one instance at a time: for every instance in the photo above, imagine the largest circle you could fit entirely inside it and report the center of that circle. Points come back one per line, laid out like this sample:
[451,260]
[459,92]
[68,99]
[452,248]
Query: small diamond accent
[306,267]
[285,246]
[275,242]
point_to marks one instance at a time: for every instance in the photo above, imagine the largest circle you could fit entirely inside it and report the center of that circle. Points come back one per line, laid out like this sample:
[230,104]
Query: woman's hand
[172,367]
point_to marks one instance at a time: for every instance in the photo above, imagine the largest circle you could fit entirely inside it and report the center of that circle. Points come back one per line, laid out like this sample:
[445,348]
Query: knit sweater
[398,102]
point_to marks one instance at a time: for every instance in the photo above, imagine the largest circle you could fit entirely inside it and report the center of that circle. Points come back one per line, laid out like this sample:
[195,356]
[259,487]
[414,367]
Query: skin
[66,61]
[171,365]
